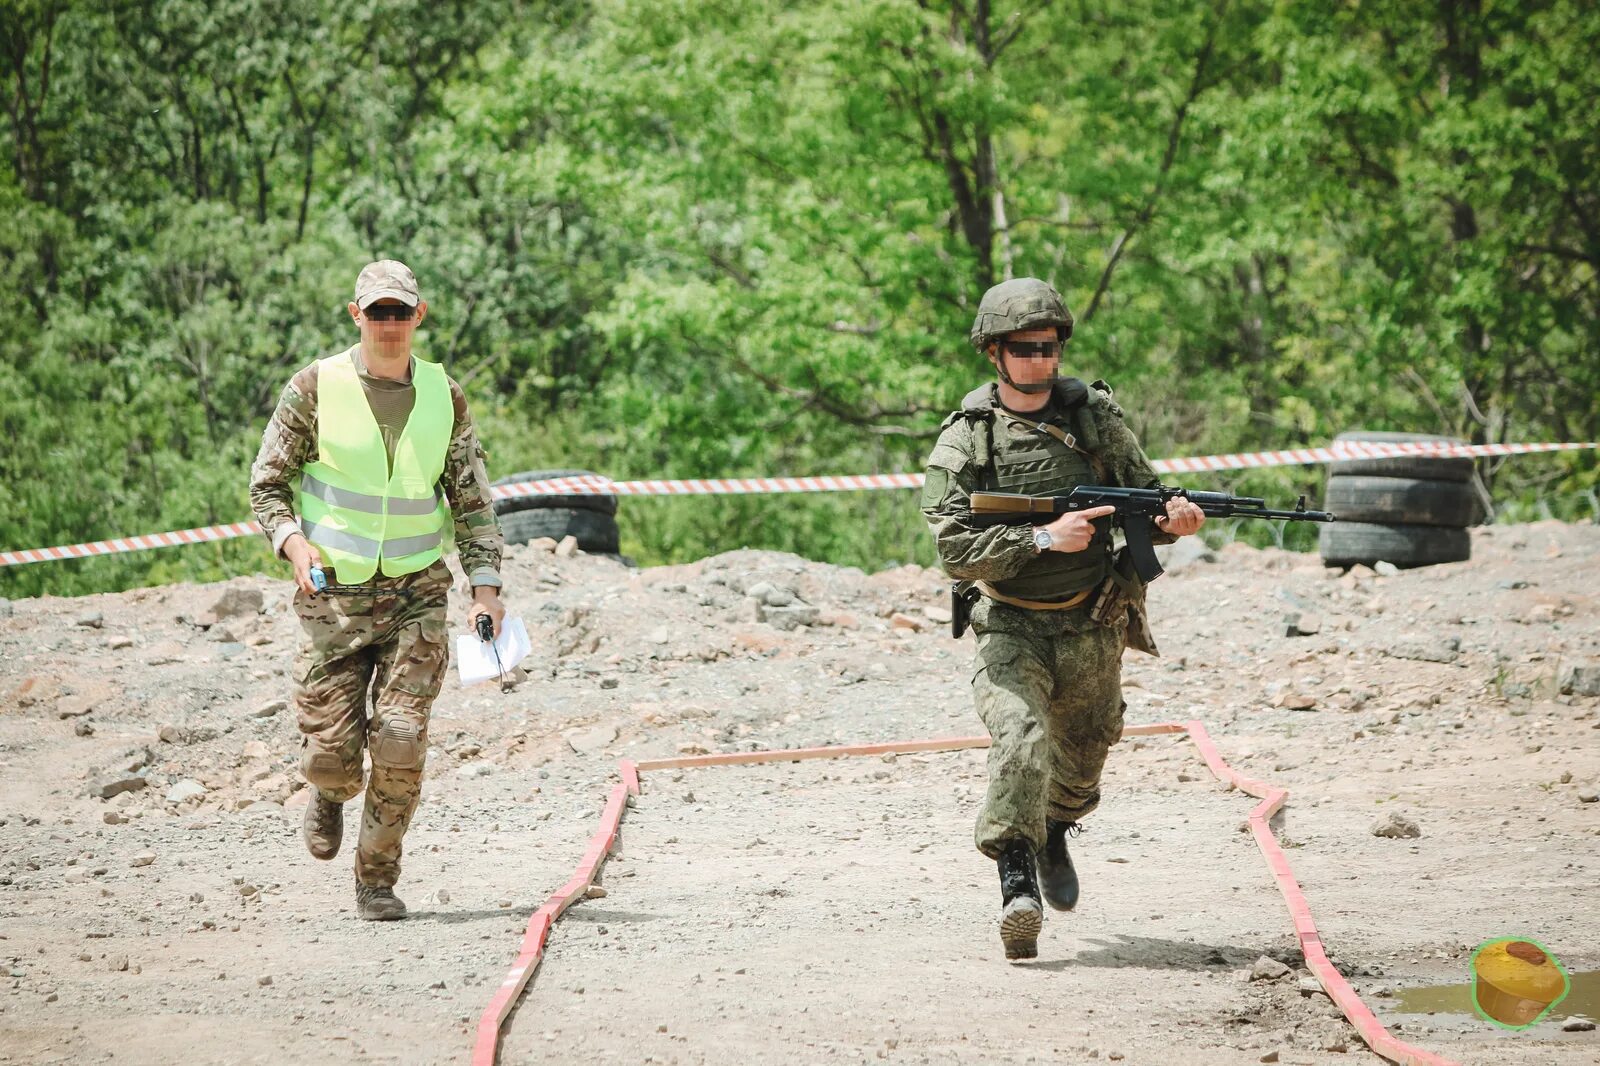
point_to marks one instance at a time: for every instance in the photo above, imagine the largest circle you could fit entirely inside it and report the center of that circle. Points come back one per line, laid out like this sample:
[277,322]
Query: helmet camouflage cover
[1021,303]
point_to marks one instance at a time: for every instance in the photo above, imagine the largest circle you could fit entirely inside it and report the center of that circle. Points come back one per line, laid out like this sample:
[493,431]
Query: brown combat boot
[323,826]
[378,904]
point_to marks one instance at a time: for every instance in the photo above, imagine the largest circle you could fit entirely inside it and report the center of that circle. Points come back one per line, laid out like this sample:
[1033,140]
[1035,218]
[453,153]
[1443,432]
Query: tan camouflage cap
[387,279]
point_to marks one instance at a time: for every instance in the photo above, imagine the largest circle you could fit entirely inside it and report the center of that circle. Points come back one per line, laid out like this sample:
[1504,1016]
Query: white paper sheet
[475,659]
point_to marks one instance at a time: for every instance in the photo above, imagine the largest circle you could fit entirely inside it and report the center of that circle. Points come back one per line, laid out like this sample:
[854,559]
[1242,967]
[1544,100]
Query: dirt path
[1434,694]
[836,912]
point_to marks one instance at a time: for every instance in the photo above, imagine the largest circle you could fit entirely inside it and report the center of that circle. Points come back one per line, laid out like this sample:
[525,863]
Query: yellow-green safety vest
[361,515]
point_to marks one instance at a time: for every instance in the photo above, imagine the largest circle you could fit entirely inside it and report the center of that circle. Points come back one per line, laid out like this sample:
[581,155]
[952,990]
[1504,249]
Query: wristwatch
[1042,540]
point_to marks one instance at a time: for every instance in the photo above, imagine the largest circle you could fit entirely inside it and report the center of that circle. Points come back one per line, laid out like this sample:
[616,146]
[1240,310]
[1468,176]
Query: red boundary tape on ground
[487,1047]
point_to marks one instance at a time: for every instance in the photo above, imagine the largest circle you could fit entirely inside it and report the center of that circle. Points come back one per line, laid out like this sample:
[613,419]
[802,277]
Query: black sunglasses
[1034,349]
[389,313]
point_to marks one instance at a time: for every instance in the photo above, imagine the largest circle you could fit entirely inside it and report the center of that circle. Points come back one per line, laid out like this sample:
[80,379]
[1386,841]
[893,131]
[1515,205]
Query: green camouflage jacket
[994,553]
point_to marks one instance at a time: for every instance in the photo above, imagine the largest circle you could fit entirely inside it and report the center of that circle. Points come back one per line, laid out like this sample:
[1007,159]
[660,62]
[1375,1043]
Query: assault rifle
[1136,509]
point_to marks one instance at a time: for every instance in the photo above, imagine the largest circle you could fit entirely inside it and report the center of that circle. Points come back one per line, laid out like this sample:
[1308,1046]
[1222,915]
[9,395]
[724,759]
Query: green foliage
[667,239]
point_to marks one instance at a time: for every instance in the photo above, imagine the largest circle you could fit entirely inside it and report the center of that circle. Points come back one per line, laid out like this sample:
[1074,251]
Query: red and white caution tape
[129,544]
[732,486]
[600,486]
[1349,449]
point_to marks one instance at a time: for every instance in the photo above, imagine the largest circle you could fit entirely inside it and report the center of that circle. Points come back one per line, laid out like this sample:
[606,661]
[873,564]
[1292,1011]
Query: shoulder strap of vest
[978,407]
[1069,439]
[981,405]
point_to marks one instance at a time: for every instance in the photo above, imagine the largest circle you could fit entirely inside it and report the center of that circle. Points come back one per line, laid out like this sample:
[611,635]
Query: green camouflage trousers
[1048,686]
[391,646]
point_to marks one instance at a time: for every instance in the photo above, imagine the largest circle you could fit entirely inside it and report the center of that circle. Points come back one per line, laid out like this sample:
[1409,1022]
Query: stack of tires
[1407,510]
[592,519]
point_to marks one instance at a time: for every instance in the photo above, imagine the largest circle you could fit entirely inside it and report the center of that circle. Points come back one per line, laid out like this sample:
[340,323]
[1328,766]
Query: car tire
[1345,544]
[570,501]
[1403,501]
[596,532]
[1407,466]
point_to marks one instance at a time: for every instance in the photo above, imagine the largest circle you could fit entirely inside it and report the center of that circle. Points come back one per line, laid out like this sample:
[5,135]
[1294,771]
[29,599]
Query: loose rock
[1430,651]
[1581,680]
[770,595]
[1296,624]
[117,784]
[1268,969]
[788,618]
[590,741]
[1396,826]
[1185,553]
[184,790]
[238,601]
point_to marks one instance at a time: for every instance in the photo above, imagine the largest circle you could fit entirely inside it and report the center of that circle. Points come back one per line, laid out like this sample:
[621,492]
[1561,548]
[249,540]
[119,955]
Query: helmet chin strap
[1032,389]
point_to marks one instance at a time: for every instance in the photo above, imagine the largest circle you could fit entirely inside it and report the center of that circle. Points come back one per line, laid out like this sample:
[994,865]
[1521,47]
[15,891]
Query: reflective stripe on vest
[363,515]
[360,501]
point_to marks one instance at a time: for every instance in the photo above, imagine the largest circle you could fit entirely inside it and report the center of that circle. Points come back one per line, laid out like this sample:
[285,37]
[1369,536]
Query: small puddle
[1582,998]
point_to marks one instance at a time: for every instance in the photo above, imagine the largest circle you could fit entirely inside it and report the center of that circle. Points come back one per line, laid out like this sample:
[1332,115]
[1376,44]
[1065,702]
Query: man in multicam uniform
[375,452]
[1047,678]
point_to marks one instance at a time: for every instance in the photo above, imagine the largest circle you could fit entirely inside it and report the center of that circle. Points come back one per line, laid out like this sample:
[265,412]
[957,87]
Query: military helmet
[1021,303]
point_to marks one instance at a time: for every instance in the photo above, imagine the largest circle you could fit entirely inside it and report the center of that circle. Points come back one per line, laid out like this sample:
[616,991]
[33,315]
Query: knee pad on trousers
[398,745]
[325,769]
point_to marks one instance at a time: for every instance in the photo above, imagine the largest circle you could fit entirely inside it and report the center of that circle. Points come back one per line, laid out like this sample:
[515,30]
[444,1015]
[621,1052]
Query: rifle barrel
[1291,516]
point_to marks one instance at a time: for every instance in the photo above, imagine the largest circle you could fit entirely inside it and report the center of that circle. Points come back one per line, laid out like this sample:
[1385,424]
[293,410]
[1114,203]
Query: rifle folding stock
[1136,509]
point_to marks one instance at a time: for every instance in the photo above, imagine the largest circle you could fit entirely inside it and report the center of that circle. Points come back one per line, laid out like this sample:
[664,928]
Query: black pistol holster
[963,594]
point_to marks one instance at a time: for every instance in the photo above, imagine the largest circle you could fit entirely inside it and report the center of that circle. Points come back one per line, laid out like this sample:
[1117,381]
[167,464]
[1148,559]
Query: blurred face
[1032,356]
[387,325]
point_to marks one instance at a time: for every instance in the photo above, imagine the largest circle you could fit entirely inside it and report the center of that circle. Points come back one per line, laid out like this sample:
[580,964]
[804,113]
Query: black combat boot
[374,904]
[1056,875]
[1020,912]
[323,826]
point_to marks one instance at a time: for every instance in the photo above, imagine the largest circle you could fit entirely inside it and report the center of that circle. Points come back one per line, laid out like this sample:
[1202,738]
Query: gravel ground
[181,918]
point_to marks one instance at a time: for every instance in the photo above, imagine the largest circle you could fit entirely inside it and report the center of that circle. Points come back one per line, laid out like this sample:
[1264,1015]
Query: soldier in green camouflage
[369,456]
[1047,678]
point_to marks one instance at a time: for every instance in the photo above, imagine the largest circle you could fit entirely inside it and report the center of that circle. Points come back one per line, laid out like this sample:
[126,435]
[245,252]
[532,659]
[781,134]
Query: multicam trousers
[1048,686]
[391,646]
